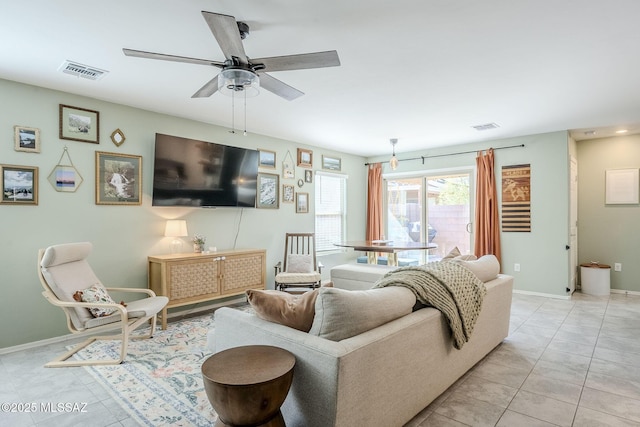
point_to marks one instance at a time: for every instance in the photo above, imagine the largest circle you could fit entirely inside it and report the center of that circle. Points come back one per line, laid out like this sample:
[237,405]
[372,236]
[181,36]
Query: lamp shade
[176,228]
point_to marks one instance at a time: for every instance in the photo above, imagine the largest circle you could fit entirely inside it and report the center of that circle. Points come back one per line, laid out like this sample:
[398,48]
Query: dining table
[388,247]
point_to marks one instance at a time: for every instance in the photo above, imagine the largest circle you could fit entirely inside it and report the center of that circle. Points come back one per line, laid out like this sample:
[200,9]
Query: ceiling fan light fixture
[234,80]
[393,162]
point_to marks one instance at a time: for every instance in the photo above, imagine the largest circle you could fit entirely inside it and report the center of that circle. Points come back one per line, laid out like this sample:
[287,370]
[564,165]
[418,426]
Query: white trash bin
[595,278]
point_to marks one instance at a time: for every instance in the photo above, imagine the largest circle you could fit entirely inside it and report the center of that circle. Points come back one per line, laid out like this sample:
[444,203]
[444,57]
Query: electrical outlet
[617,266]
[516,267]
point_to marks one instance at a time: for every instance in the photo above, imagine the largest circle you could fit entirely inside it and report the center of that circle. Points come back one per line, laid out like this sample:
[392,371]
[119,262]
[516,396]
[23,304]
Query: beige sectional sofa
[381,377]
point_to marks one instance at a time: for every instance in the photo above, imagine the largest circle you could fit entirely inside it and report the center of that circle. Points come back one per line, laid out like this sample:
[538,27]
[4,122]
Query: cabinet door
[243,272]
[196,279]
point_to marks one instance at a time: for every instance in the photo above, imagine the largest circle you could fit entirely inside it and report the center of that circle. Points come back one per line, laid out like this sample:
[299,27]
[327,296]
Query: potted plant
[198,243]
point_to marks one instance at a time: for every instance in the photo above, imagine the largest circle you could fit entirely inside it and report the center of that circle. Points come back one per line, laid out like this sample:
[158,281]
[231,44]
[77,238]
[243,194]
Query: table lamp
[176,228]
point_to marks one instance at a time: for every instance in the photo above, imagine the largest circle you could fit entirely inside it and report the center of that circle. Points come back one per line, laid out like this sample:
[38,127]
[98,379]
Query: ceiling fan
[238,72]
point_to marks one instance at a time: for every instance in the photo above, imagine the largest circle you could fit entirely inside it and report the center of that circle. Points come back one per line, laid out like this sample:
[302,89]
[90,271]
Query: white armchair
[63,271]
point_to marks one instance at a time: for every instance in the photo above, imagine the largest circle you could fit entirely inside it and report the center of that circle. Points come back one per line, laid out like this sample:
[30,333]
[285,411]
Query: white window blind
[330,208]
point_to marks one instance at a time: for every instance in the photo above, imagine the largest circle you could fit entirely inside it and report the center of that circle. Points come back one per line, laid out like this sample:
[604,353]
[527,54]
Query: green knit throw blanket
[446,286]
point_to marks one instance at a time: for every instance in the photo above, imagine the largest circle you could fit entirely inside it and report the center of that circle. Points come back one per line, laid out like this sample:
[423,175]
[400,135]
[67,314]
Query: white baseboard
[69,337]
[541,294]
[622,291]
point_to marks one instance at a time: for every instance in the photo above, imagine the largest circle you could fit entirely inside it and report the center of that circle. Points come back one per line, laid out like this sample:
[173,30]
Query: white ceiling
[424,72]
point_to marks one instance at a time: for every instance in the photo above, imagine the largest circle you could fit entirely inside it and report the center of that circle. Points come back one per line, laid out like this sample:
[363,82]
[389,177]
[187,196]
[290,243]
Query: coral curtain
[487,230]
[374,202]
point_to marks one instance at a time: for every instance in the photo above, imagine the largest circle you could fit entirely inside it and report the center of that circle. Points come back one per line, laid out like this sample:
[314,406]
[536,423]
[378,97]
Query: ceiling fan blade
[299,62]
[164,57]
[279,88]
[225,30]
[208,89]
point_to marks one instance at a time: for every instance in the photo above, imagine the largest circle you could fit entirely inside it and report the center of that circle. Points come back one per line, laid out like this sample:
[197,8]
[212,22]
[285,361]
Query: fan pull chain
[233,113]
[245,113]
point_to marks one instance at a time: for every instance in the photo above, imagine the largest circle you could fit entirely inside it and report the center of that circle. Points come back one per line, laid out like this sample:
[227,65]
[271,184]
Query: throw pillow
[342,314]
[455,252]
[96,293]
[486,267]
[468,257]
[299,263]
[295,311]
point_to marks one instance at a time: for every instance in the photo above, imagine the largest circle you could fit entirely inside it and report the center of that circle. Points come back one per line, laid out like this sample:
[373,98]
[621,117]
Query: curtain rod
[448,154]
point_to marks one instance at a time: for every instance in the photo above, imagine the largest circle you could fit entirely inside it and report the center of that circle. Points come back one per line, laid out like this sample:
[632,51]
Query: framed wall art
[118,179]
[331,163]
[19,185]
[302,202]
[65,177]
[79,124]
[288,171]
[305,158]
[288,192]
[621,187]
[267,159]
[268,188]
[26,139]
[308,176]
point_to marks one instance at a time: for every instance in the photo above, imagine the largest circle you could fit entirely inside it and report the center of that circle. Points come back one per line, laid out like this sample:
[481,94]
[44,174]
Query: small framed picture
[26,139]
[287,193]
[331,163]
[65,178]
[267,159]
[19,185]
[302,202]
[268,186]
[305,158]
[118,179]
[308,176]
[79,124]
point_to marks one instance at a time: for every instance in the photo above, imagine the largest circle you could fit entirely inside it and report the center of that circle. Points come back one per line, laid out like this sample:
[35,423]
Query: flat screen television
[188,172]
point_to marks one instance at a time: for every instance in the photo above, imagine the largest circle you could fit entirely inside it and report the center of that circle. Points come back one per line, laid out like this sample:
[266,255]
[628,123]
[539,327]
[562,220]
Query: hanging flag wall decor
[516,198]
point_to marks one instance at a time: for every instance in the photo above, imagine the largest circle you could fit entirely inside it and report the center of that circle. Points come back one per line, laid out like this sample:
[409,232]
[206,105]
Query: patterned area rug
[160,381]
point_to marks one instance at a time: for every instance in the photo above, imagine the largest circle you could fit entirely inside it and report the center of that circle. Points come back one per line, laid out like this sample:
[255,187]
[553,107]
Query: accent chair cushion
[299,263]
[341,314]
[487,267]
[295,311]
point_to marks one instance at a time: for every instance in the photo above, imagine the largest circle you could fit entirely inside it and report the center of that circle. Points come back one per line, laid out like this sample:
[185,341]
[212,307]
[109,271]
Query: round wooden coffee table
[247,385]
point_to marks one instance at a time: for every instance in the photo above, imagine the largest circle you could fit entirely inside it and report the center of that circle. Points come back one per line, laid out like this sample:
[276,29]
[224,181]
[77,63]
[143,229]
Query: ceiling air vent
[486,126]
[84,71]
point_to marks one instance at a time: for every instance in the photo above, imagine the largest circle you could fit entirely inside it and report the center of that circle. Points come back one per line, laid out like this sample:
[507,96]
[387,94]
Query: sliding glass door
[432,208]
[449,213]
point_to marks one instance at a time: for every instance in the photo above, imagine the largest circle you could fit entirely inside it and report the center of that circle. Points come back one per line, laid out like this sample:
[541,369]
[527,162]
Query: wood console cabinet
[193,278]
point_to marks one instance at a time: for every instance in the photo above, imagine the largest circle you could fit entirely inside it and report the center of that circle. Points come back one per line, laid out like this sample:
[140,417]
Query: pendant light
[393,162]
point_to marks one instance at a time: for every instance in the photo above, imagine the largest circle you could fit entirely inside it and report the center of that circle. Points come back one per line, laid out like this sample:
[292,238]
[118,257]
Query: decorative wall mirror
[117,136]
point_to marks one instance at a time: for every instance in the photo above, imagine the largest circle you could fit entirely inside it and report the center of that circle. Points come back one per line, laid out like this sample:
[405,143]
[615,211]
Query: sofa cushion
[487,267]
[295,311]
[341,314]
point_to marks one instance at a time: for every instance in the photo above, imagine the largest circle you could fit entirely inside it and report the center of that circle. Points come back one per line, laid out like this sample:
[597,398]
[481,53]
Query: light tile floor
[565,363]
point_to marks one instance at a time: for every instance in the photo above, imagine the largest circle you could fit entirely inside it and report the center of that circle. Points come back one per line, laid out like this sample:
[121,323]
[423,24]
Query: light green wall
[608,233]
[123,236]
[541,253]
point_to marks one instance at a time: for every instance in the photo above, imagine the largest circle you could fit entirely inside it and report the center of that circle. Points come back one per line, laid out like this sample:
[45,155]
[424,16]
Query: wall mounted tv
[188,172]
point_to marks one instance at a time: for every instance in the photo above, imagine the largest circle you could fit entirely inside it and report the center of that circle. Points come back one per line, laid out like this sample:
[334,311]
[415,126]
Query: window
[330,208]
